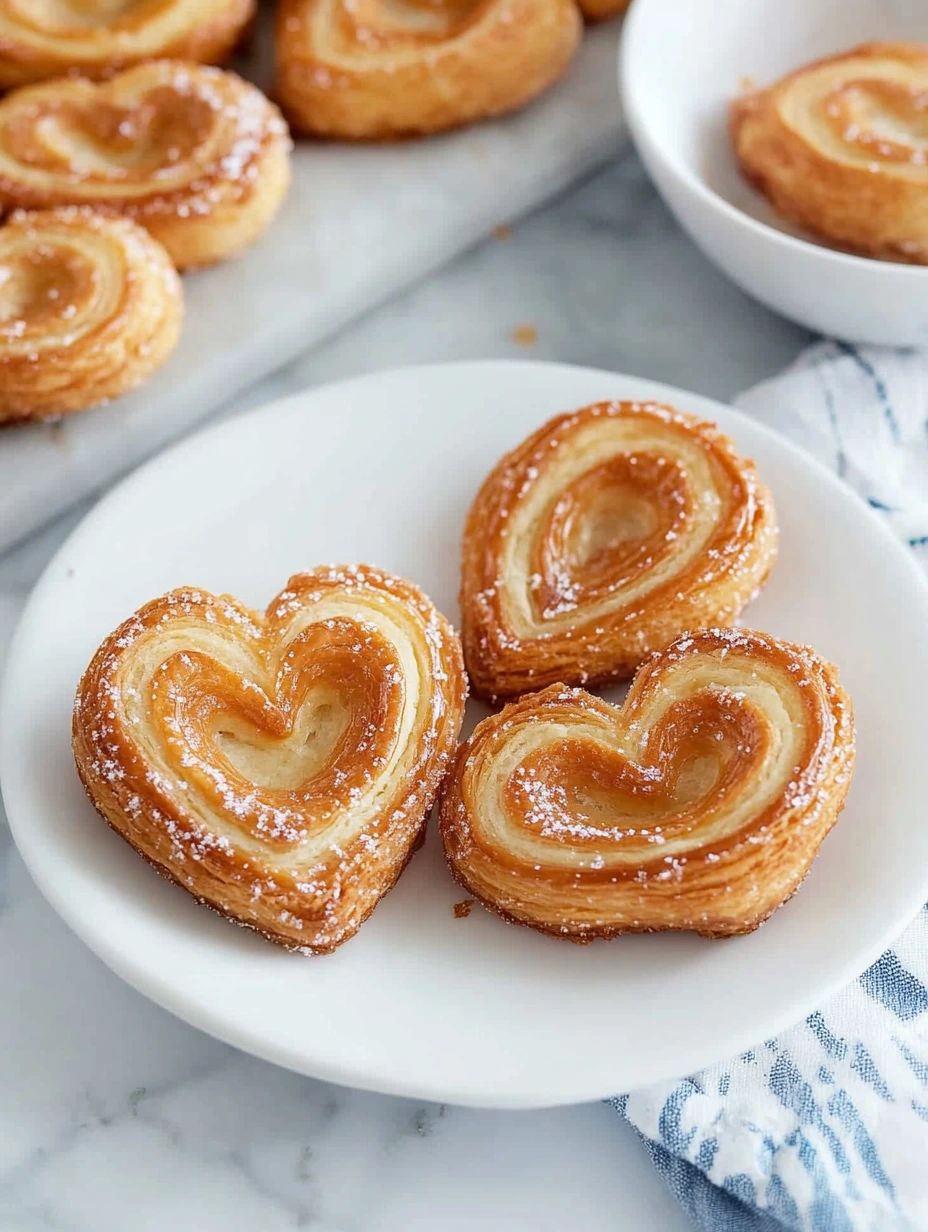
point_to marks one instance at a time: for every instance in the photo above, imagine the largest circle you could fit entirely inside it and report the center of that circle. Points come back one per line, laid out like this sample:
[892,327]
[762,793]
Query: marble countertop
[116,1116]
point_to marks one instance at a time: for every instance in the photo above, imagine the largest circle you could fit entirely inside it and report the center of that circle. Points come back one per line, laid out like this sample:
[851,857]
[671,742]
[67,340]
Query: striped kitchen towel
[824,1128]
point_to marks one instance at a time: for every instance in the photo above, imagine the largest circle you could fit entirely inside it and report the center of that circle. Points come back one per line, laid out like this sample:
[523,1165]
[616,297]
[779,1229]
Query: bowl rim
[637,122]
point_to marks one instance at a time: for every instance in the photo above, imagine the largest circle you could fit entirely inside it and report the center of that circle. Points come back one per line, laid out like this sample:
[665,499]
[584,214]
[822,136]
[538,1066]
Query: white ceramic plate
[681,65]
[470,1011]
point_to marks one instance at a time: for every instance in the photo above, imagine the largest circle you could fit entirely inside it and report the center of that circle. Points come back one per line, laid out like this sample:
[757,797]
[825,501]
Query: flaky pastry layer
[600,538]
[40,39]
[90,307]
[698,805]
[194,154]
[279,767]
[387,68]
[840,147]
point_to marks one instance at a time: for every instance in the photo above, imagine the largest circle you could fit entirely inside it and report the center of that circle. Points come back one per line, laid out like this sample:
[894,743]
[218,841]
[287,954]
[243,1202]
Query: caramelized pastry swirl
[385,68]
[600,538]
[279,767]
[89,308]
[841,148]
[698,805]
[196,155]
[51,38]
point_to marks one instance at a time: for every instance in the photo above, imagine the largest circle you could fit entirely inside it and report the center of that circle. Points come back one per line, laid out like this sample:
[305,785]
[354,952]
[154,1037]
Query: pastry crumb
[502,232]
[525,335]
[747,85]
[462,910]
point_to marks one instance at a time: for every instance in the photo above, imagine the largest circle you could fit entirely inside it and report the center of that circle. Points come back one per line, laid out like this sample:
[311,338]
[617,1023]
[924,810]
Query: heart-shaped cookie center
[608,526]
[90,137]
[282,749]
[166,135]
[715,781]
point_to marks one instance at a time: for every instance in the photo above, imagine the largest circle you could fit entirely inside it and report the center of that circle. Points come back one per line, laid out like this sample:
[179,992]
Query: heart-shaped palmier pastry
[700,804]
[196,155]
[89,307]
[602,537]
[388,68]
[50,38]
[841,147]
[279,767]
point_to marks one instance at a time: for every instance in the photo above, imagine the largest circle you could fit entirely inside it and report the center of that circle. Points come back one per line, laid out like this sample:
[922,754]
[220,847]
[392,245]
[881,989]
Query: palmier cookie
[388,68]
[698,805]
[89,308]
[600,538]
[40,39]
[279,766]
[841,148]
[196,155]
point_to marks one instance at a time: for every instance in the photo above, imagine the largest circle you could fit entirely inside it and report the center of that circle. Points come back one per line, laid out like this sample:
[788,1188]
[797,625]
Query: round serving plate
[421,1003]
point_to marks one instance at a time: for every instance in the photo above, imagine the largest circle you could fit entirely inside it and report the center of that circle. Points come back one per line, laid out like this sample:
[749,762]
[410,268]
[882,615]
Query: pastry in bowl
[840,147]
[391,68]
[279,766]
[601,537]
[699,805]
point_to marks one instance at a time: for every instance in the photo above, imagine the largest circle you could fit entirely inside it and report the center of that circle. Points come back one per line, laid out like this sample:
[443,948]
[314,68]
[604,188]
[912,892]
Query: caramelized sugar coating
[90,307]
[196,155]
[840,147]
[40,39]
[700,804]
[600,538]
[387,68]
[280,766]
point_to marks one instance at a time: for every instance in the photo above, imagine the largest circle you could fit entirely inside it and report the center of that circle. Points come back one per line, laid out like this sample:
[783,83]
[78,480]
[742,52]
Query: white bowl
[681,63]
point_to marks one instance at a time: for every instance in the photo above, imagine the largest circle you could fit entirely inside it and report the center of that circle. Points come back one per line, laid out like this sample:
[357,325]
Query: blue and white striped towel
[826,1127]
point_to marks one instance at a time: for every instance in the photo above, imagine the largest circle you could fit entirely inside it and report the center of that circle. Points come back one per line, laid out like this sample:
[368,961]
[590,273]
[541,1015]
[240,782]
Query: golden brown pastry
[602,537]
[387,68]
[196,155]
[279,767]
[52,38]
[698,805]
[841,148]
[89,308]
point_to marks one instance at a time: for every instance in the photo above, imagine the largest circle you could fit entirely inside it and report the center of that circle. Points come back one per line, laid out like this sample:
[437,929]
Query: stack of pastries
[281,766]
[114,111]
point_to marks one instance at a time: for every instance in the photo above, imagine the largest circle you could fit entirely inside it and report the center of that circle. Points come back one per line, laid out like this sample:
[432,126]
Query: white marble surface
[114,1116]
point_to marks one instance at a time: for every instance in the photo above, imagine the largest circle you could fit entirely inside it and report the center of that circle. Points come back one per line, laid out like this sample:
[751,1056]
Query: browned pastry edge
[602,10]
[282,942]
